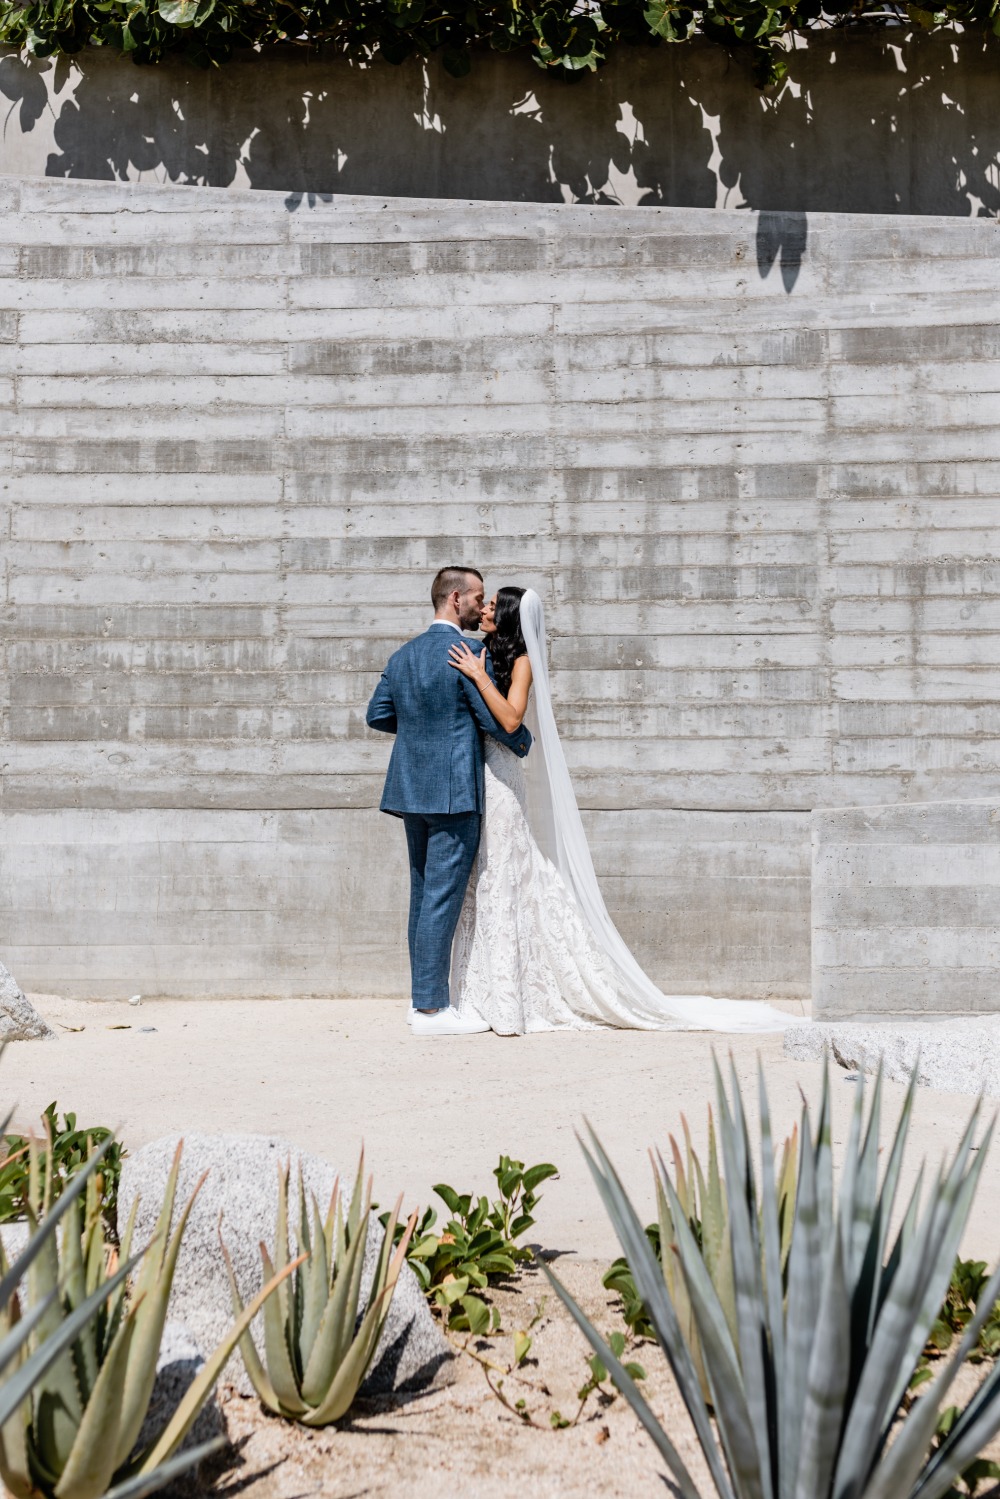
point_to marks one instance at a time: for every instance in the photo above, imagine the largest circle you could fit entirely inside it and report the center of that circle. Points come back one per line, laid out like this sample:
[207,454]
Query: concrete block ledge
[906,910]
[955,1056]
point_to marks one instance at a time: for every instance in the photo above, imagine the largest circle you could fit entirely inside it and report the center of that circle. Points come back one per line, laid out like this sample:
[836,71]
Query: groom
[435,784]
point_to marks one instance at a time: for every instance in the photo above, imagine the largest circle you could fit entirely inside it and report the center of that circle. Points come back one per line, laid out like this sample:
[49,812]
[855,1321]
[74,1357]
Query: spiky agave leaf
[847,1333]
[202,1385]
[17,1387]
[151,1299]
[148,1483]
[347,1380]
[318,1350]
[660,1310]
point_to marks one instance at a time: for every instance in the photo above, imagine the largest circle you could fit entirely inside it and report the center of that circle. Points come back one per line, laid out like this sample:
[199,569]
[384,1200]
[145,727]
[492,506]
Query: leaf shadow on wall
[864,124]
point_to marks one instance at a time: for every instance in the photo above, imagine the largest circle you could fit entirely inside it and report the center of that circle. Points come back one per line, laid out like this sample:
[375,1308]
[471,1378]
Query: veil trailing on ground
[558,829]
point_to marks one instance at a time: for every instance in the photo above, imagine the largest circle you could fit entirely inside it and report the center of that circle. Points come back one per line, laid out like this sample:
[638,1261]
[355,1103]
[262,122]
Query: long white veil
[558,829]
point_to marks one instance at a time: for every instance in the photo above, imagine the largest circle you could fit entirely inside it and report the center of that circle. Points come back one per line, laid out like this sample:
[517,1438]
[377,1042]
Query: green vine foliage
[568,37]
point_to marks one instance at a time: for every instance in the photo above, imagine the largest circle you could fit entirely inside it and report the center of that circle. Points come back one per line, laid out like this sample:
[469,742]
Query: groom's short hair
[450,578]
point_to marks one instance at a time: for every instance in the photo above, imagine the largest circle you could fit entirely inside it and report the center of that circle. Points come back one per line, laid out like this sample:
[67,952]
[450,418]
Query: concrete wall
[752,464]
[906,910]
[882,122]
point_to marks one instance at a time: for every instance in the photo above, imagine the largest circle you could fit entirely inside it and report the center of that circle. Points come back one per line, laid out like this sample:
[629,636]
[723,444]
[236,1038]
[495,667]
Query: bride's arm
[508,711]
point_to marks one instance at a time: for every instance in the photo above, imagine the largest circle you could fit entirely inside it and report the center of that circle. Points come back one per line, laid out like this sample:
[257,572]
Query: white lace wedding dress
[536,948]
[523,958]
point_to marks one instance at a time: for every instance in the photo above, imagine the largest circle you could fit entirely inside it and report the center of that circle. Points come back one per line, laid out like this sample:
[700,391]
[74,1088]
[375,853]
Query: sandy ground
[327,1073]
[462,1441]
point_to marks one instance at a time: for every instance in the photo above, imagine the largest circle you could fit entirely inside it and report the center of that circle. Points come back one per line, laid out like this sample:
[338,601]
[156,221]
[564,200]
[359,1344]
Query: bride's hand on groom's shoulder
[467,662]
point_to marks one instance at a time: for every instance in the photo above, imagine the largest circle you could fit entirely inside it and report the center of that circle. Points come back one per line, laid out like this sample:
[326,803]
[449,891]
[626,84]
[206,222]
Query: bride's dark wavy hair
[507,642]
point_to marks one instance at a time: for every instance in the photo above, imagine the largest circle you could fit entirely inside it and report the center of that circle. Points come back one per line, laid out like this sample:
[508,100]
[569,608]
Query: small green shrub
[969,1280]
[68,1148]
[477,1245]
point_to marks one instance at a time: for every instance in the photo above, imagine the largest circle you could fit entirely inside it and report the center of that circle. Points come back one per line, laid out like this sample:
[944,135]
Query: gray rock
[14,1237]
[241,1188]
[19,1020]
[179,1363]
[956,1056]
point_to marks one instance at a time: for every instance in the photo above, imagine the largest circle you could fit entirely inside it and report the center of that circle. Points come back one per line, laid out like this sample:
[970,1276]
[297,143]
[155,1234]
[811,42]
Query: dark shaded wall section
[878,123]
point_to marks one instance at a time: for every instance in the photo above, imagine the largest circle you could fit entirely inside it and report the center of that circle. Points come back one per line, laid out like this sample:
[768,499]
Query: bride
[535,948]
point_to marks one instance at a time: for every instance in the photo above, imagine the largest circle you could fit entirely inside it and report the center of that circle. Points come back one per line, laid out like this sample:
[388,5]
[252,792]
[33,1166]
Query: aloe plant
[808,1387]
[71,1429]
[318,1339]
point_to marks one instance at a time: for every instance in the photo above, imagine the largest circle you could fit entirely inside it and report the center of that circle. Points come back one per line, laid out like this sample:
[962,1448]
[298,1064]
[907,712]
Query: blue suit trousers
[442,849]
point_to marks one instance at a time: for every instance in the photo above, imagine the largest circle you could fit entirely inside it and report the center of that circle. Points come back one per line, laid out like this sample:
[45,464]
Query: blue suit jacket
[438,717]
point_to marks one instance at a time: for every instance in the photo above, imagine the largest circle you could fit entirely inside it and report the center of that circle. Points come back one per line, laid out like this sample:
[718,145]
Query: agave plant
[813,1381]
[318,1340]
[703,1200]
[73,1427]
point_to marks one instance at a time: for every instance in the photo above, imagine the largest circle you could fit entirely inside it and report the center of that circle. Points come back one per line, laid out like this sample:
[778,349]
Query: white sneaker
[447,1022]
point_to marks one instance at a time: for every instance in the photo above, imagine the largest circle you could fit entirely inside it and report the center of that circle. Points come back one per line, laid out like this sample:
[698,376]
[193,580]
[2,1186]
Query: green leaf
[522,1347]
[535,1175]
[477,1315]
[449,1197]
[179,12]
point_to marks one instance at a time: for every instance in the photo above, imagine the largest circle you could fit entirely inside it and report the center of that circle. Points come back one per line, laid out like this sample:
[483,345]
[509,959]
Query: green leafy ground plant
[478,1244]
[65,1149]
[566,37]
[808,1390]
[72,1433]
[320,1333]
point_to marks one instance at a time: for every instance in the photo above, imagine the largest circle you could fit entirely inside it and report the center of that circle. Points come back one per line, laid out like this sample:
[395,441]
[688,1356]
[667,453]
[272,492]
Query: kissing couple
[503,936]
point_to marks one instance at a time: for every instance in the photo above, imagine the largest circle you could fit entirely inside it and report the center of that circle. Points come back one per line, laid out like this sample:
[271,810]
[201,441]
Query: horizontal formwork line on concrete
[978,755]
[927,386]
[946,719]
[117,255]
[559,326]
[495,388]
[273,349]
[917,514]
[905,684]
[320,791]
[936,650]
[796,422]
[153,520]
[174,454]
[199,492]
[148,775]
[857,558]
[251,327]
[869,862]
[938,309]
[956,615]
[108,360]
[151,293]
[459,386]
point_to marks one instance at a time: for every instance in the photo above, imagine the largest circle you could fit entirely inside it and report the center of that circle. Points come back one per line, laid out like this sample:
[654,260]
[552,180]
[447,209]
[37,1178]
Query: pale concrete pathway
[326,1073]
